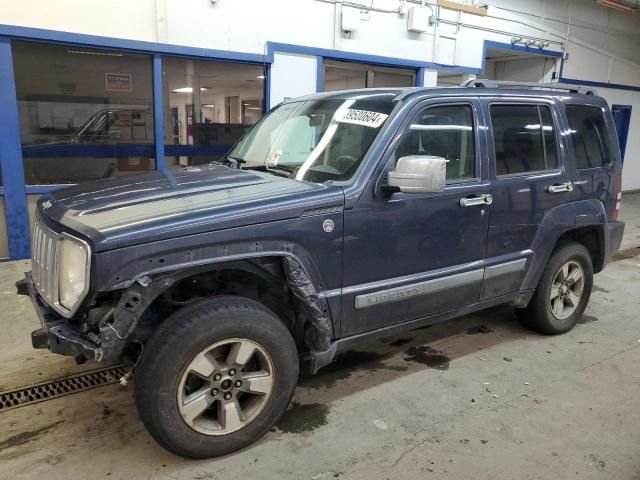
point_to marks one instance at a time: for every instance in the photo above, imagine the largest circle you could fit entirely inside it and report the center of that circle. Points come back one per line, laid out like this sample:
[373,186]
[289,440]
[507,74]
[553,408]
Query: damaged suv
[337,218]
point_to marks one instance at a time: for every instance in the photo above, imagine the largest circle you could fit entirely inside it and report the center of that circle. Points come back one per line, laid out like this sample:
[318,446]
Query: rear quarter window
[588,135]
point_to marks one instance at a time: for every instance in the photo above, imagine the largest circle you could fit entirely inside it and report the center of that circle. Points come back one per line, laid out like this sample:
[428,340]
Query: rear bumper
[57,333]
[614,231]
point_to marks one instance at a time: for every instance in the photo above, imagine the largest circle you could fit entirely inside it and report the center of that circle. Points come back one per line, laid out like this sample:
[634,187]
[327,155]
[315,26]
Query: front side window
[524,139]
[443,131]
[588,135]
[314,140]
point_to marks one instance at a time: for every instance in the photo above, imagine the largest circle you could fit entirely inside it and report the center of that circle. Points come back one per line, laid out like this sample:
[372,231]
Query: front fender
[143,272]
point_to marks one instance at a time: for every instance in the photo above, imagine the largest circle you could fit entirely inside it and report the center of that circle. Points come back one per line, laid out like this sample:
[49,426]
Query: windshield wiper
[239,161]
[282,172]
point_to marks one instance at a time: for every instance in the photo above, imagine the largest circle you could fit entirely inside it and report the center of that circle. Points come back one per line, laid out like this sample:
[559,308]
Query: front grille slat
[43,261]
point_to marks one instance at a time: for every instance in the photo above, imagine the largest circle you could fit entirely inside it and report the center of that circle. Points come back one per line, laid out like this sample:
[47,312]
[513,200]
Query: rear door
[528,178]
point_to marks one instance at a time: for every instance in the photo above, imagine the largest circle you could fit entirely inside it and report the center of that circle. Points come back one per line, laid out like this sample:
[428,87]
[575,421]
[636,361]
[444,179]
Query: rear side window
[447,132]
[524,139]
[588,135]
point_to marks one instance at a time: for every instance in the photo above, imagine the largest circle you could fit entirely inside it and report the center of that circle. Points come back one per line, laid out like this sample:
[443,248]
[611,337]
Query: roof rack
[483,83]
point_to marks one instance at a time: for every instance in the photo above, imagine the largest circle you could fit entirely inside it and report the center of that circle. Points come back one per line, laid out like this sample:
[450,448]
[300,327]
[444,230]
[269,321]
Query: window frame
[532,103]
[605,152]
[474,130]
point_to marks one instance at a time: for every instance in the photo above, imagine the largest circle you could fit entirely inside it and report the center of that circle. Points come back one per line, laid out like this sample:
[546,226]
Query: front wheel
[215,377]
[563,292]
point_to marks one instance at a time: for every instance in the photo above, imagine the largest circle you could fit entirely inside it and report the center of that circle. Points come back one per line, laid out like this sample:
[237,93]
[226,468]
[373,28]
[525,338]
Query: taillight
[618,190]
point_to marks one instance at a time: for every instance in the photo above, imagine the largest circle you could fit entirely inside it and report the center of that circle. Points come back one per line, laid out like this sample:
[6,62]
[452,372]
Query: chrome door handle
[485,199]
[560,187]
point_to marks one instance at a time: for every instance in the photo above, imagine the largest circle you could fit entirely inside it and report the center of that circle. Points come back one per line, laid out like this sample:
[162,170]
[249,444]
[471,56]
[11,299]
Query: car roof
[396,94]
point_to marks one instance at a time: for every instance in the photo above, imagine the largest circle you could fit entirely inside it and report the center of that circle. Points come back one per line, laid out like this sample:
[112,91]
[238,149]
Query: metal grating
[41,392]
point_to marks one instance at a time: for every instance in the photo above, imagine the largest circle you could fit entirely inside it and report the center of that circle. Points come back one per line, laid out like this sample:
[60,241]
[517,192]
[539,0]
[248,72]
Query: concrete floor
[478,397]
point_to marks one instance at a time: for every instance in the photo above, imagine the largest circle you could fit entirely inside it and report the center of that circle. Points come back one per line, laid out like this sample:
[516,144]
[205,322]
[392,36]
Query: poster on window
[118,82]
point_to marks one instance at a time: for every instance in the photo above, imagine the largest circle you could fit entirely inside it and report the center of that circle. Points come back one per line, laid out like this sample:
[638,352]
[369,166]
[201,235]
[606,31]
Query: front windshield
[314,140]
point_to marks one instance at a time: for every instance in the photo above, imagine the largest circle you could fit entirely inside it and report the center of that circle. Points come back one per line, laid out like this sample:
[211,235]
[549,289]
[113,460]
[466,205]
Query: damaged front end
[102,332]
[111,323]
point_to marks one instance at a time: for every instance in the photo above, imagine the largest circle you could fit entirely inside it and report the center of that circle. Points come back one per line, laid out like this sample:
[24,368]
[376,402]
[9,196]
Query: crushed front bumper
[57,333]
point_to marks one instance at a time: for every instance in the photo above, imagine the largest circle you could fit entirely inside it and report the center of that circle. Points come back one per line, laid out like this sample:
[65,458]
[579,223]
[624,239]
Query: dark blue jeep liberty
[337,218]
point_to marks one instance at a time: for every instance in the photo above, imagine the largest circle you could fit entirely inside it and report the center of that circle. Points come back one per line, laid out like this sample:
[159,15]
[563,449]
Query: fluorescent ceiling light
[187,89]
[260,77]
[102,54]
[208,105]
[617,6]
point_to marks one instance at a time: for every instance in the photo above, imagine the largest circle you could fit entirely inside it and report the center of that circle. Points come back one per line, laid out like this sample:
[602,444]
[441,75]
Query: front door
[411,255]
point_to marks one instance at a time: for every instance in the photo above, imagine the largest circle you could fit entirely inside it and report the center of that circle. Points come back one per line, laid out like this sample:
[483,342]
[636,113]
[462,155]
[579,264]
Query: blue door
[622,119]
[411,255]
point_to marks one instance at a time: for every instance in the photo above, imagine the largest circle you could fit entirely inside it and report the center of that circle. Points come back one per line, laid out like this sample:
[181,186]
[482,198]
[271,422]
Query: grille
[44,253]
[21,397]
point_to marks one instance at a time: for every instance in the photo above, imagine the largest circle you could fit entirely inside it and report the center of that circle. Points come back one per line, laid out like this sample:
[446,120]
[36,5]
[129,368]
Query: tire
[543,314]
[178,375]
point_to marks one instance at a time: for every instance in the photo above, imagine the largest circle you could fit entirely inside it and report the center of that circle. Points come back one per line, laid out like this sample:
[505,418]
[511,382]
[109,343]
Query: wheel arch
[311,323]
[582,222]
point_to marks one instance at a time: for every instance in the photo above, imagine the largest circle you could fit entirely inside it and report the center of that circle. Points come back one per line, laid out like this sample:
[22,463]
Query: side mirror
[419,174]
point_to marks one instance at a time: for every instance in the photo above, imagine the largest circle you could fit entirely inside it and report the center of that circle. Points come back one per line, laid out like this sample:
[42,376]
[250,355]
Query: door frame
[624,134]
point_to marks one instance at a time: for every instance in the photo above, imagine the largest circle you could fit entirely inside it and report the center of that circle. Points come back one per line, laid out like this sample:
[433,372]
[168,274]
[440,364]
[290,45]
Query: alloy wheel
[566,290]
[225,386]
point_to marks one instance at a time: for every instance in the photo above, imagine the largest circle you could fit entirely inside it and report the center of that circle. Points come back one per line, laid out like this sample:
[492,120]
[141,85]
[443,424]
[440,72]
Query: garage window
[524,139]
[208,107]
[85,114]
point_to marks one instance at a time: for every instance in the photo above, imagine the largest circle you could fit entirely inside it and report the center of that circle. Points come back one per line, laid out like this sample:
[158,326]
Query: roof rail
[483,83]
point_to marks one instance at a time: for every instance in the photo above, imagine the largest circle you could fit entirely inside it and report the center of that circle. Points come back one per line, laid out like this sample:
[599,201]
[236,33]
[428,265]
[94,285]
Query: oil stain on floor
[428,356]
[301,418]
[587,319]
[479,329]
[626,253]
[346,364]
[25,437]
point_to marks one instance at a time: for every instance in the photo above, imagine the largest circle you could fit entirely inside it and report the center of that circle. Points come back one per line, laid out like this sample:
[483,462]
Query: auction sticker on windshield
[363,117]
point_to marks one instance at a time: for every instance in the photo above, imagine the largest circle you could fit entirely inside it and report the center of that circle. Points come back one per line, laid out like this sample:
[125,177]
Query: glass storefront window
[84,114]
[208,107]
[343,75]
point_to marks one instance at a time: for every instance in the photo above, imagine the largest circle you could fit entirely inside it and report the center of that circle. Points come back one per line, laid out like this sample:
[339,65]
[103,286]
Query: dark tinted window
[524,139]
[445,132]
[588,134]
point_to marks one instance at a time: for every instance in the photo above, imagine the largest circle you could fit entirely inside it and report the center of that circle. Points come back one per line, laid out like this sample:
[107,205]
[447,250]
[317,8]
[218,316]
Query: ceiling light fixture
[188,89]
[260,77]
[102,54]
[617,6]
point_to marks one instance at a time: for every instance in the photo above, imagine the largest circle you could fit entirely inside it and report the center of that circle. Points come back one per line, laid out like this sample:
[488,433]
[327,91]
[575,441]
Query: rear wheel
[563,292]
[215,377]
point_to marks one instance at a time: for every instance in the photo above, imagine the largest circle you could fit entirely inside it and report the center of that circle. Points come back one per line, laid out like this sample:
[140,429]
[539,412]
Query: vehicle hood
[118,212]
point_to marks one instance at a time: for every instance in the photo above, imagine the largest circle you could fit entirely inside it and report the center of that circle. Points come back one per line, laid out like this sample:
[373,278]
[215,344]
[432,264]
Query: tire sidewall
[565,254]
[164,363]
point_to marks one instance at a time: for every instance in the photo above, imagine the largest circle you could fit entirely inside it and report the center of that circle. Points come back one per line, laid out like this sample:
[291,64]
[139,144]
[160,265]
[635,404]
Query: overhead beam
[451,5]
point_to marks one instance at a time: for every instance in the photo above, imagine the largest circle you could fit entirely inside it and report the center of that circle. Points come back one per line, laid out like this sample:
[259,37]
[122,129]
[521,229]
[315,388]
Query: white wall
[292,76]
[602,44]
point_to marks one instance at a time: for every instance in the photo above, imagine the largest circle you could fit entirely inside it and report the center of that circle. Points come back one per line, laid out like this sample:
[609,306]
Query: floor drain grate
[40,392]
